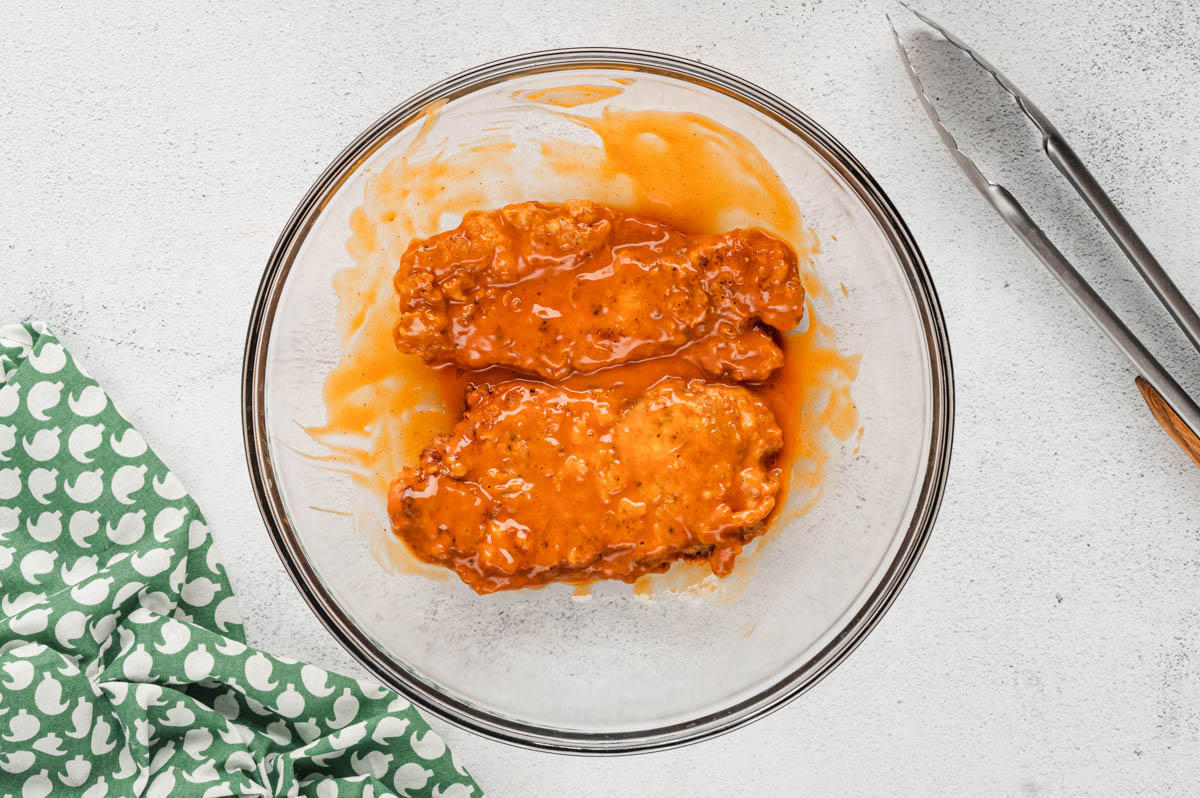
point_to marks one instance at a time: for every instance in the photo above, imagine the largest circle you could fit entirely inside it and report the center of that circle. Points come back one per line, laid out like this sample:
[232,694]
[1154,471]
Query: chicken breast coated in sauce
[540,483]
[551,290]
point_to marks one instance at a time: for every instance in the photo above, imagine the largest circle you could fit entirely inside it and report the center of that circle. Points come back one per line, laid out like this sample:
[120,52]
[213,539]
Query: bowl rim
[426,694]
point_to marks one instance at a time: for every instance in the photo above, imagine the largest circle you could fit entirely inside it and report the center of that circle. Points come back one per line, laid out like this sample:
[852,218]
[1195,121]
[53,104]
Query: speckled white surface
[1049,641]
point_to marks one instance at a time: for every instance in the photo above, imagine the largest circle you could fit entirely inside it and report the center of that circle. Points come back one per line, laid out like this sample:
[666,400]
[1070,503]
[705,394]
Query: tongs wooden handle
[1170,420]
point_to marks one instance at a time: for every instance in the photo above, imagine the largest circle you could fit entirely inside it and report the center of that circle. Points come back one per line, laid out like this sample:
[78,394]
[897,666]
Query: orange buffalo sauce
[683,169]
[569,96]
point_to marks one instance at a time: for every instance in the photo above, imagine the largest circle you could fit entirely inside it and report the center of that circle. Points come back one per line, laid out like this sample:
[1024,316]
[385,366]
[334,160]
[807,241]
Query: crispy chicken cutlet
[541,483]
[549,290]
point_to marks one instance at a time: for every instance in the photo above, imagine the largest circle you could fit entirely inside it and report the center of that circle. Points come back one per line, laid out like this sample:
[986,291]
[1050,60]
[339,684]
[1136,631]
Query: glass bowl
[616,671]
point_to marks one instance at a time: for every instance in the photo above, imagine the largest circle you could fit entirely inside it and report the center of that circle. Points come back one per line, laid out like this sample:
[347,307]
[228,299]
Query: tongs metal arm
[1080,177]
[1146,364]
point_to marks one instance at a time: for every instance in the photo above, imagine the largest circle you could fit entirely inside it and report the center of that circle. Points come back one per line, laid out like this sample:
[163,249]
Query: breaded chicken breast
[549,290]
[541,483]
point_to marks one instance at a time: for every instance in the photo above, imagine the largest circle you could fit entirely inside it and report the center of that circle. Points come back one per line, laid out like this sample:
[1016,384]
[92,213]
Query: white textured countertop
[1049,641]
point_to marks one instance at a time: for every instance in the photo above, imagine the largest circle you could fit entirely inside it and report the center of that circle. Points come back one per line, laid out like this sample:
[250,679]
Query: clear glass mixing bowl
[617,673]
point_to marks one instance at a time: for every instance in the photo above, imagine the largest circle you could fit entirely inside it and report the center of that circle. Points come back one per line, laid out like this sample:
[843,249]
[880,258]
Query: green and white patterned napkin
[123,665]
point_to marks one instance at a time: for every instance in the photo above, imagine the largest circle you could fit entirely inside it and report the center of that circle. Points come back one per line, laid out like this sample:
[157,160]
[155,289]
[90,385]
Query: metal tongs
[1172,407]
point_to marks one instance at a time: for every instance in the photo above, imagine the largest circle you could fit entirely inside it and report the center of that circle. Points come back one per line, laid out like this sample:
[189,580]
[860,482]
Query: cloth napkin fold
[124,669]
